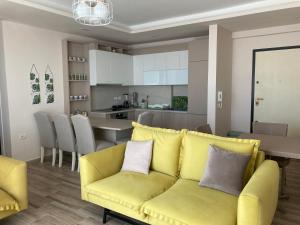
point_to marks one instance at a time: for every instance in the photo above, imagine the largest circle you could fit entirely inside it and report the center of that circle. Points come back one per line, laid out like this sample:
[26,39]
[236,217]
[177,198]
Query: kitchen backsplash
[102,95]
[159,94]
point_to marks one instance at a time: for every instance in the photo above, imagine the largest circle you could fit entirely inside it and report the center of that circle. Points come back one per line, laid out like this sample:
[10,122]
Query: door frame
[253,74]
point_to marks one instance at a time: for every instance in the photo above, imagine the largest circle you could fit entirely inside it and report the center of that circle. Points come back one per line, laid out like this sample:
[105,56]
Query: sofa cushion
[7,202]
[130,189]
[138,156]
[220,163]
[194,153]
[166,147]
[185,203]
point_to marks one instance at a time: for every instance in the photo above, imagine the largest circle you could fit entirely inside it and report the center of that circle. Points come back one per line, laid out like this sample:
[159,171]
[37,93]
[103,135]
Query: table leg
[282,163]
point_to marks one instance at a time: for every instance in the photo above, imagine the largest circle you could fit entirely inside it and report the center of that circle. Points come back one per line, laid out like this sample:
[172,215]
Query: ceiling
[134,12]
[140,21]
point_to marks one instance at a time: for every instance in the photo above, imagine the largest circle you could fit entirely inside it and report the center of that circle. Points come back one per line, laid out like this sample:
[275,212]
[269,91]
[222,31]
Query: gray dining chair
[86,142]
[65,138]
[276,129]
[47,134]
[204,129]
[146,118]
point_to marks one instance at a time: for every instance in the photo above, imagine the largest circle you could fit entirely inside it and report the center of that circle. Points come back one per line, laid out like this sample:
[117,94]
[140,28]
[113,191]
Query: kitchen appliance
[126,101]
[135,99]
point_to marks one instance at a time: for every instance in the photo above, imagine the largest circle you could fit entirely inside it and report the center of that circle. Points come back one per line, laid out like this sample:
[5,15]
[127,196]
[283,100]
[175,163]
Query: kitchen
[169,80]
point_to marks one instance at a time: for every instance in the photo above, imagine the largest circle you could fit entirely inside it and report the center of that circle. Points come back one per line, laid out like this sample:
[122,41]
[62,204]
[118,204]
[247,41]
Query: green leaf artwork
[32,76]
[35,85]
[49,85]
[36,99]
[50,98]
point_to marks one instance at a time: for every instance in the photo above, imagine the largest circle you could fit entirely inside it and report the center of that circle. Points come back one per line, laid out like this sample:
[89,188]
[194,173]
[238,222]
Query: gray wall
[4,112]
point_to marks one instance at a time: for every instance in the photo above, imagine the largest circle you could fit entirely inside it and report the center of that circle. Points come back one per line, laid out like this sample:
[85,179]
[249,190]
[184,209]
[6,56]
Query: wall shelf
[78,80]
[76,62]
[79,100]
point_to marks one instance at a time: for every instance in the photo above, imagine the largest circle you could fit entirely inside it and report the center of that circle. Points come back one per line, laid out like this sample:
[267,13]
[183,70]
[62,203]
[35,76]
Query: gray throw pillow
[224,170]
[138,155]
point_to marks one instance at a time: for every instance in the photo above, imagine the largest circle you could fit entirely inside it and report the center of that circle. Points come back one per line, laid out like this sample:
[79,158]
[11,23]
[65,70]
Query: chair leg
[42,154]
[78,169]
[73,160]
[60,159]
[53,156]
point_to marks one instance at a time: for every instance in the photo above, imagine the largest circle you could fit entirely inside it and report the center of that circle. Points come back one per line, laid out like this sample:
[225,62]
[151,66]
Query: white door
[277,88]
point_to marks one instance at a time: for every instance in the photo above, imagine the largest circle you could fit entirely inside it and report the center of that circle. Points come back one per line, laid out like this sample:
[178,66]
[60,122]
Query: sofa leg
[105,213]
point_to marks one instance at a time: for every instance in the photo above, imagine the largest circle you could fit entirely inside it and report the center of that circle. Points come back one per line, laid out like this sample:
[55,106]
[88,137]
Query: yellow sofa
[13,186]
[170,194]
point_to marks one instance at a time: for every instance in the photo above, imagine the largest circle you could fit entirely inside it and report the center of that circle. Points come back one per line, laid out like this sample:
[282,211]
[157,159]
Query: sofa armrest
[99,165]
[260,158]
[258,201]
[13,180]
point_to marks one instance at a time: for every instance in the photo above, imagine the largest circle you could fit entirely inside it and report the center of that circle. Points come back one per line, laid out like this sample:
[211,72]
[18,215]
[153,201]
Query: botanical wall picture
[49,85]
[35,86]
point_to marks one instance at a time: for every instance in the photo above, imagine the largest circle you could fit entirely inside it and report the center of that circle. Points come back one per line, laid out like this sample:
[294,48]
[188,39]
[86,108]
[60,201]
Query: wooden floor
[55,199]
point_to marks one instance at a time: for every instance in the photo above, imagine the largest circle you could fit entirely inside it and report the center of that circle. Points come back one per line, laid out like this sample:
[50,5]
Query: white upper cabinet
[169,68]
[110,68]
[138,70]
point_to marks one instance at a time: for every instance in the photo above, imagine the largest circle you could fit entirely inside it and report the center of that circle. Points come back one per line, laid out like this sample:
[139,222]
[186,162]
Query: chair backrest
[146,118]
[277,129]
[84,134]
[65,133]
[46,130]
[204,129]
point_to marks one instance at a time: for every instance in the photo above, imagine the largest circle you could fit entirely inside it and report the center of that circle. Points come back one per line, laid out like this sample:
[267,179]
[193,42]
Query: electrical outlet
[22,136]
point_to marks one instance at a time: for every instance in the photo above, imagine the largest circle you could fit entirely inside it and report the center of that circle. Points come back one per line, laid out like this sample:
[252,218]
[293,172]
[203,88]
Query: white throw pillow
[138,156]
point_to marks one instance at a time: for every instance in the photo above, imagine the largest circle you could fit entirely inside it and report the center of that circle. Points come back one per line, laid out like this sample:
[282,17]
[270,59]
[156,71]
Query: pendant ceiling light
[93,12]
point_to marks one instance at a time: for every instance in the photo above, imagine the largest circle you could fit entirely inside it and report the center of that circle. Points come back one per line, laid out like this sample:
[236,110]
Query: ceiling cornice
[230,12]
[205,17]
[164,43]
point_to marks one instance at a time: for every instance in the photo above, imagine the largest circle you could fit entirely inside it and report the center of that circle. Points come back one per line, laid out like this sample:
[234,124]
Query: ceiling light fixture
[93,12]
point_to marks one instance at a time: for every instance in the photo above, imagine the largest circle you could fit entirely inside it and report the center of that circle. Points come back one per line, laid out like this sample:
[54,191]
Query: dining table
[114,130]
[279,148]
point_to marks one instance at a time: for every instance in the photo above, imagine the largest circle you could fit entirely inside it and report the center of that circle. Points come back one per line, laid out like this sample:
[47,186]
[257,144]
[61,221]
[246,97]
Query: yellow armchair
[258,201]
[13,186]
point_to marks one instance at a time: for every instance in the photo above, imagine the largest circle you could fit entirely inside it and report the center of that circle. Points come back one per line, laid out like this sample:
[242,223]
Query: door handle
[257,100]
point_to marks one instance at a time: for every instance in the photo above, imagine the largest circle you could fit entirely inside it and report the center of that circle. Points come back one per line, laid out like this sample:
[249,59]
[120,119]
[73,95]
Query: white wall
[23,46]
[4,117]
[243,44]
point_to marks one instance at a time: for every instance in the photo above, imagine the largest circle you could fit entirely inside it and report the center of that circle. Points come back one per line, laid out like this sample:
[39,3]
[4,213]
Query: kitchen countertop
[107,111]
[110,124]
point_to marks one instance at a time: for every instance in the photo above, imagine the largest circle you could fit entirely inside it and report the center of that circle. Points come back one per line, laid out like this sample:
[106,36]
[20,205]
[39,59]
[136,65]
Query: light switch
[220,96]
